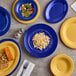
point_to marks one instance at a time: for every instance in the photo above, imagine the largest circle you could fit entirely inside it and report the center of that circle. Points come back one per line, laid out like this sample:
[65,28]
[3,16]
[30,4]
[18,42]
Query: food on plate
[3,64]
[5,57]
[40,40]
[8,53]
[3,60]
[27,9]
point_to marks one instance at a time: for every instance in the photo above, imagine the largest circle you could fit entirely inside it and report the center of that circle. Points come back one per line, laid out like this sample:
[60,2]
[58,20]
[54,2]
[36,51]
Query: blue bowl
[19,51]
[56,10]
[18,11]
[5,21]
[28,43]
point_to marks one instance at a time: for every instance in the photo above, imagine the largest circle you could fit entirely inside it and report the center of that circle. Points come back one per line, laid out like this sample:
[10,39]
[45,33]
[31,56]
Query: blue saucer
[18,11]
[28,43]
[5,21]
[56,10]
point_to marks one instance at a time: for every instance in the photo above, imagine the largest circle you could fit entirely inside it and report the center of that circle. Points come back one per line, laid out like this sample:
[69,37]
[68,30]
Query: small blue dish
[19,51]
[56,10]
[38,28]
[18,10]
[5,21]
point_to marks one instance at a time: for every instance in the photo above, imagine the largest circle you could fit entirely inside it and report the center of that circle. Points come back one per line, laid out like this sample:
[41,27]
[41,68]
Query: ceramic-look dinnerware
[5,21]
[17,11]
[16,52]
[39,28]
[62,65]
[56,10]
[68,32]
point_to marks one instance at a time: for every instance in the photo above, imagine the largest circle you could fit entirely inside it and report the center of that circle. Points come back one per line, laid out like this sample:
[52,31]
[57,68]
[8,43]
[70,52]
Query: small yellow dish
[62,65]
[68,32]
[15,52]
[30,21]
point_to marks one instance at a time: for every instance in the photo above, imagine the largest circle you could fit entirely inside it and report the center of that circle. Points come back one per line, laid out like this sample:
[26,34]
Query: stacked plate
[16,52]
[17,11]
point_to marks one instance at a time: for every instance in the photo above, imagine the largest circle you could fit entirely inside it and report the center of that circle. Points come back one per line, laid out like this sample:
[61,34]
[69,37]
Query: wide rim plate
[5,21]
[62,65]
[56,10]
[28,43]
[67,32]
[4,40]
[22,21]
[18,11]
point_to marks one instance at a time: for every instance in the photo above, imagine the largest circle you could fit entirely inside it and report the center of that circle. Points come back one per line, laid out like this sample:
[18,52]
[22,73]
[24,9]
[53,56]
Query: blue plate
[38,28]
[5,21]
[19,51]
[56,10]
[18,10]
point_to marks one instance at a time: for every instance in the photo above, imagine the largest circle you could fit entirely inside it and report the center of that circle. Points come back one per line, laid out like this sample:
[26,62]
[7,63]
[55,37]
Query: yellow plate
[62,65]
[68,32]
[30,21]
[15,53]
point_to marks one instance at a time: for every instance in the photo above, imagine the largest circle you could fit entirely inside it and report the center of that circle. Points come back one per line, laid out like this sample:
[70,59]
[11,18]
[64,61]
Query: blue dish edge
[19,51]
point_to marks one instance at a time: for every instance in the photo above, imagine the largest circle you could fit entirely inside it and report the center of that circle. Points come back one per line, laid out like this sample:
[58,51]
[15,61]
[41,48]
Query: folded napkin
[73,6]
[26,68]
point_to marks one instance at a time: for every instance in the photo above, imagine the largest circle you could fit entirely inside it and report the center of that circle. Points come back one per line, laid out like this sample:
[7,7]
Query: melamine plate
[5,21]
[38,28]
[18,9]
[17,12]
[62,65]
[68,32]
[56,10]
[16,52]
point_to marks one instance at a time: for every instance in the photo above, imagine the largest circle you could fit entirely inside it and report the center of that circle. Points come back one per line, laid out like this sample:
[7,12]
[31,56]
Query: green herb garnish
[27,9]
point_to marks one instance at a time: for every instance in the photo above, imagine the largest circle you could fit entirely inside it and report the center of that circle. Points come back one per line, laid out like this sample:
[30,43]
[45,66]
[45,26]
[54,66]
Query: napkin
[29,66]
[73,6]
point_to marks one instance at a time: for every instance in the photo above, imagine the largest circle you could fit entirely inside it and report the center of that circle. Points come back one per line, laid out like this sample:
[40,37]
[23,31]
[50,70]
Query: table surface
[42,65]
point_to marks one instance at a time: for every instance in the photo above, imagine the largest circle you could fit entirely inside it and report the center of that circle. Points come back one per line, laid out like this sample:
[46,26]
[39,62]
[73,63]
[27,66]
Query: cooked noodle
[40,41]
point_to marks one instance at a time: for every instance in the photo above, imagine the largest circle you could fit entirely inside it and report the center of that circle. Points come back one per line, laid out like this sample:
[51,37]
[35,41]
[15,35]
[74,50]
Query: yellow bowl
[68,32]
[30,21]
[62,65]
[15,52]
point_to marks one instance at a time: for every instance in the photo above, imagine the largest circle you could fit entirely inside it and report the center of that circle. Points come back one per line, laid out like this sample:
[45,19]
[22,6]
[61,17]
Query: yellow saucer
[15,52]
[62,65]
[68,32]
[30,21]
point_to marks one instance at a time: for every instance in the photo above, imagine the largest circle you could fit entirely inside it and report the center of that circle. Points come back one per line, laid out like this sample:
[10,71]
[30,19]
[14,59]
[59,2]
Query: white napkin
[29,68]
[73,6]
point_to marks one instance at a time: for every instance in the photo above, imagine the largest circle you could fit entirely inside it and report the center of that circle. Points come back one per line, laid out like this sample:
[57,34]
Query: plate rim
[34,15]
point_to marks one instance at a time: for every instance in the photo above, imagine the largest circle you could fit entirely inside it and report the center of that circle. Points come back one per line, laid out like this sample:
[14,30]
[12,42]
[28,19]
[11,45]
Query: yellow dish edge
[62,55]
[61,33]
[7,42]
[30,21]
